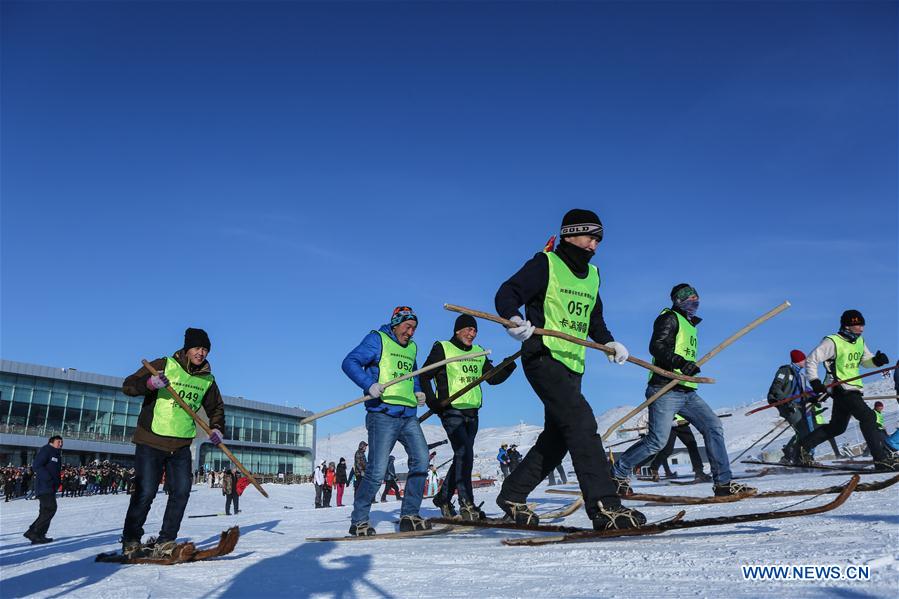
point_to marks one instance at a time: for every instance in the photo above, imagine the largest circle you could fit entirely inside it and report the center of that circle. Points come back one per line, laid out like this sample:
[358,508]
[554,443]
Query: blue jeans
[661,413]
[383,433]
[149,464]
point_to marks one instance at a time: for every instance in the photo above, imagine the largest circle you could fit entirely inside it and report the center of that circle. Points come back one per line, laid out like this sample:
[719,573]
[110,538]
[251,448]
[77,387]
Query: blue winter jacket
[361,365]
[46,467]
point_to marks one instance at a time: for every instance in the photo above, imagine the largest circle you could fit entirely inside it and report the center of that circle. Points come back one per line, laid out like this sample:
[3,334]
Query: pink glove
[157,382]
[215,436]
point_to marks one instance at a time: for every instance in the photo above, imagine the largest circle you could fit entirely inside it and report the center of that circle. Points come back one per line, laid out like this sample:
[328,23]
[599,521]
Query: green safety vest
[819,417]
[169,419]
[879,417]
[679,420]
[847,358]
[463,372]
[567,307]
[397,361]
[684,345]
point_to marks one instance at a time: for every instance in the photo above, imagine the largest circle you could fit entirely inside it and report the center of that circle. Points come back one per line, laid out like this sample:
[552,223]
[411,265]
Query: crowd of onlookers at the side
[99,478]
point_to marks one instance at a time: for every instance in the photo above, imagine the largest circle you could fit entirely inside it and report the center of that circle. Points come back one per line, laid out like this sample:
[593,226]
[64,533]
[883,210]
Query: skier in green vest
[391,416]
[841,354]
[559,289]
[163,437]
[674,346]
[459,419]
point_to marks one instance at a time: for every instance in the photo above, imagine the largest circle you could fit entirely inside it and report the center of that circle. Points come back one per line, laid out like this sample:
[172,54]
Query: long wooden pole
[671,384]
[202,424]
[806,393]
[359,400]
[549,333]
[484,377]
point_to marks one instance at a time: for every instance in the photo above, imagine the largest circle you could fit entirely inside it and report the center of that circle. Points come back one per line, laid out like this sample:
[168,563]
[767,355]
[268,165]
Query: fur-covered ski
[759,474]
[843,469]
[184,552]
[387,536]
[593,535]
[674,499]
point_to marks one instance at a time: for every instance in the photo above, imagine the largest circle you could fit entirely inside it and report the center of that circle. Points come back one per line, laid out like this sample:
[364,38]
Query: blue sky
[283,174]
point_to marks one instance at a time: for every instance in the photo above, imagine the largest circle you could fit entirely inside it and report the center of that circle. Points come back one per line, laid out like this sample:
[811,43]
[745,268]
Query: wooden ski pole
[762,438]
[202,424]
[484,377]
[359,400]
[806,393]
[881,397]
[549,333]
[671,384]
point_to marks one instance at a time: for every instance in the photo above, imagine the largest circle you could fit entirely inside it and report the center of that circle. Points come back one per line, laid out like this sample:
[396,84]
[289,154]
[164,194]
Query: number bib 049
[567,308]
[169,419]
[397,361]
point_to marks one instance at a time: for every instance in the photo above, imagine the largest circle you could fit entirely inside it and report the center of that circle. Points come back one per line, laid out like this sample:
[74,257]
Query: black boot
[520,513]
[614,516]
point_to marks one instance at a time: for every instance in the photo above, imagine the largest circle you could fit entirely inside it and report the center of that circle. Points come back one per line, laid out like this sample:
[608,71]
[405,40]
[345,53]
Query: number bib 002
[848,357]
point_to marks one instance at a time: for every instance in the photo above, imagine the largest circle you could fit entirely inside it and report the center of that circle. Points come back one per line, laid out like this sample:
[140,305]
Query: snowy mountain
[740,431]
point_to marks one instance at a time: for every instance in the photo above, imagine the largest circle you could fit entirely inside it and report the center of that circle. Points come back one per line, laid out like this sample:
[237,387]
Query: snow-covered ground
[274,560]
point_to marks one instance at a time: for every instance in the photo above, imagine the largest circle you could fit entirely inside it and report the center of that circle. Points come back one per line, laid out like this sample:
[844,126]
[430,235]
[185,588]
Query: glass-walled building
[97,420]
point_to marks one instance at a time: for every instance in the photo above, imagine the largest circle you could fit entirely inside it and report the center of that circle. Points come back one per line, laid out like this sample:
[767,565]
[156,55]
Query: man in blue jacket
[382,356]
[46,481]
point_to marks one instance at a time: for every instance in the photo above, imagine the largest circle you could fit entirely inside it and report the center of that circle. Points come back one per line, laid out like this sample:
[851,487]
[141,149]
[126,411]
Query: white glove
[420,397]
[522,330]
[621,353]
[376,390]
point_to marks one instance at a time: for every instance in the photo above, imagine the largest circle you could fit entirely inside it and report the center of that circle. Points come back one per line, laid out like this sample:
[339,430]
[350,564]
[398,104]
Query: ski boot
[470,512]
[654,475]
[805,458]
[163,549]
[702,477]
[520,513]
[890,462]
[732,488]
[361,529]
[412,523]
[614,516]
[134,549]
[623,486]
[445,506]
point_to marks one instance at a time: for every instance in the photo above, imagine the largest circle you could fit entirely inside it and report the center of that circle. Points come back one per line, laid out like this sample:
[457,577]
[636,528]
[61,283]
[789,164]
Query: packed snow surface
[273,559]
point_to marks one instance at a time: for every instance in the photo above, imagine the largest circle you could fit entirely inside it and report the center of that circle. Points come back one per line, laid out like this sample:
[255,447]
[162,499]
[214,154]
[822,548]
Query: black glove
[818,387]
[880,359]
[689,369]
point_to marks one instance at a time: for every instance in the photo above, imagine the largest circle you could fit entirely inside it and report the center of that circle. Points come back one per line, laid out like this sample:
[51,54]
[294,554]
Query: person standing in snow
[391,415]
[673,346]
[318,479]
[790,380]
[340,481]
[163,437]
[559,289]
[460,418]
[46,468]
[841,354]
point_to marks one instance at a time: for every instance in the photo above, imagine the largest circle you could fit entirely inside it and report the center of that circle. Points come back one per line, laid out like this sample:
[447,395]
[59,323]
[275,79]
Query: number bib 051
[169,420]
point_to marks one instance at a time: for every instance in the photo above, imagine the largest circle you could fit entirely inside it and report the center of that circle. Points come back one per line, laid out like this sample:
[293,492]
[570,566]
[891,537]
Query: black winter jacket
[46,468]
[661,346]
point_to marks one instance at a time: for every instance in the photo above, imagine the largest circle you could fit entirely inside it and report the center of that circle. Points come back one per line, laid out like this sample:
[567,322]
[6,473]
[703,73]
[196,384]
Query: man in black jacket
[560,291]
[46,468]
[673,347]
[459,418]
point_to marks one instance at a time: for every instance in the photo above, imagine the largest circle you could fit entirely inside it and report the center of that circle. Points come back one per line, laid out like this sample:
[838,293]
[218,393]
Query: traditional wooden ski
[387,536]
[183,553]
[593,535]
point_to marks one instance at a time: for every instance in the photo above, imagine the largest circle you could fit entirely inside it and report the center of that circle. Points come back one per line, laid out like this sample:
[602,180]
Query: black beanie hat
[851,318]
[581,222]
[196,338]
[464,321]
